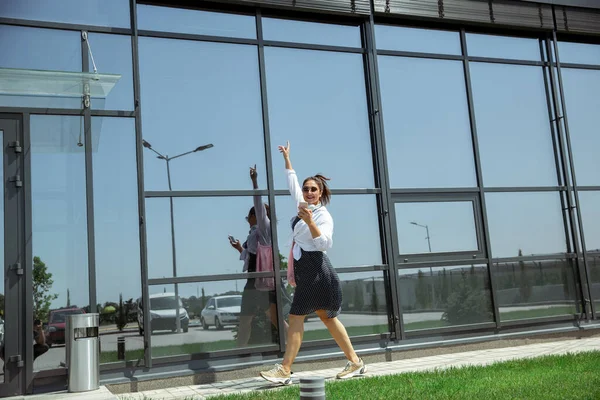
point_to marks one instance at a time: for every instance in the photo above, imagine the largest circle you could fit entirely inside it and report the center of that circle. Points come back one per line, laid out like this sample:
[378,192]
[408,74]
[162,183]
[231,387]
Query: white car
[221,311]
[163,313]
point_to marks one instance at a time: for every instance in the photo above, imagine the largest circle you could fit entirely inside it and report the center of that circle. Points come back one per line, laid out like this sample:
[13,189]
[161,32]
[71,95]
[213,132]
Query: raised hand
[285,150]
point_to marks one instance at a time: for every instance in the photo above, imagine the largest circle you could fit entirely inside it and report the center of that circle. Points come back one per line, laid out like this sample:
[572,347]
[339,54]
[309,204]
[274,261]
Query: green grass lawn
[319,334]
[544,378]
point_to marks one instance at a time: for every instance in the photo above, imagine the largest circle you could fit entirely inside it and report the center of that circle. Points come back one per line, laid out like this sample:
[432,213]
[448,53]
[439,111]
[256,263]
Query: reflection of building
[441,114]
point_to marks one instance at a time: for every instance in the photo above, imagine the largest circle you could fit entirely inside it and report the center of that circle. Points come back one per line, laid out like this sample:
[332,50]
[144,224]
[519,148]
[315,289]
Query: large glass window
[196,94]
[525,224]
[417,40]
[535,289]
[513,125]
[590,214]
[114,13]
[437,297]
[503,47]
[356,238]
[59,224]
[171,19]
[42,49]
[317,101]
[116,225]
[581,88]
[436,227]
[213,316]
[427,128]
[311,32]
[594,268]
[579,53]
[112,55]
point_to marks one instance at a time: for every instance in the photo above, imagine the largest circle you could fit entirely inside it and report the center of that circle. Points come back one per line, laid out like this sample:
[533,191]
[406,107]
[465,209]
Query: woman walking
[317,284]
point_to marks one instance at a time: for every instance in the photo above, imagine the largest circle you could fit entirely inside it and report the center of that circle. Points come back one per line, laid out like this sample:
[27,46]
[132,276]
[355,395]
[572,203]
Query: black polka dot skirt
[317,285]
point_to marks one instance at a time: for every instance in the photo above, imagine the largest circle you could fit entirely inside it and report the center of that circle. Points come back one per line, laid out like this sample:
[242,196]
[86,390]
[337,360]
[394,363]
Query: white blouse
[302,237]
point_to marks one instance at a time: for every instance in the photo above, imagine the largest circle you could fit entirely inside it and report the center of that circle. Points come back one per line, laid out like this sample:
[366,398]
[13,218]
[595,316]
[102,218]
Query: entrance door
[12,242]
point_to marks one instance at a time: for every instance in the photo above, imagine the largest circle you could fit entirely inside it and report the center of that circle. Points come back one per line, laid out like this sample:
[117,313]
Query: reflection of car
[57,319]
[221,311]
[163,313]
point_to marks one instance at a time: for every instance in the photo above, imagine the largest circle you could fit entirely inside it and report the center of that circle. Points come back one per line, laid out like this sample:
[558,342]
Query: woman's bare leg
[338,331]
[294,340]
[244,330]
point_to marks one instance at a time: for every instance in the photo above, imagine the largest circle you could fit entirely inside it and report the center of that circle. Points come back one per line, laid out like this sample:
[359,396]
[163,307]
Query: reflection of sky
[196,93]
[513,126]
[451,227]
[427,130]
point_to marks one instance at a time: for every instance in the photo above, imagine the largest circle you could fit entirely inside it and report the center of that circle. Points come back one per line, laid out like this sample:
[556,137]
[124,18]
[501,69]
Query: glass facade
[453,211]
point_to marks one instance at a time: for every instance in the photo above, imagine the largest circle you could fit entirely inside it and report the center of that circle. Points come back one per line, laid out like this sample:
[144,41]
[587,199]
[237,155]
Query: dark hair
[253,211]
[321,182]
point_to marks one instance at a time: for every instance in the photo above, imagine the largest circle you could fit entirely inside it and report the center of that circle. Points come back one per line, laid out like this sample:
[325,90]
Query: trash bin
[83,352]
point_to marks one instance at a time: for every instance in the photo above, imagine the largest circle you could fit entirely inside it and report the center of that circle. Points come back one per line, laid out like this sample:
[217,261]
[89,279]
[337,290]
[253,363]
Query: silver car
[221,311]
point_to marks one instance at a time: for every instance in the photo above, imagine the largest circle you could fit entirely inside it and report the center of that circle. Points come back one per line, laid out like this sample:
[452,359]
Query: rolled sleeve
[325,241]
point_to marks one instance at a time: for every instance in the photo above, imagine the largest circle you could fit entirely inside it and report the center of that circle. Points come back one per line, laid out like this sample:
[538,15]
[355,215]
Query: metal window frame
[477,254]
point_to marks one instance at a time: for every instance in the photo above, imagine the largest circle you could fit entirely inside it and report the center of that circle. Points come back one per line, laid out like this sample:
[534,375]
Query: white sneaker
[277,375]
[352,369]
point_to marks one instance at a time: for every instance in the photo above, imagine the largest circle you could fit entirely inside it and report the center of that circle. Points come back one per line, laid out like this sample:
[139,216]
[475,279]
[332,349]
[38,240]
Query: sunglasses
[307,189]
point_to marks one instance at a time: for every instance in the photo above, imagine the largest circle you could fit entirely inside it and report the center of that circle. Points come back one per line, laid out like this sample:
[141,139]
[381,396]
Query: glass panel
[223,108]
[113,13]
[42,49]
[286,30]
[202,226]
[364,307]
[417,40]
[329,87]
[594,268]
[436,227]
[513,124]
[436,297]
[582,102]
[503,47]
[116,228]
[579,53]
[423,151]
[236,317]
[590,214]
[349,248]
[525,224]
[534,289]
[170,19]
[59,224]
[112,54]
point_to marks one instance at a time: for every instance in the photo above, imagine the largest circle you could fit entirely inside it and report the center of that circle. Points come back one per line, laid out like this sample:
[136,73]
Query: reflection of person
[253,298]
[39,341]
[318,287]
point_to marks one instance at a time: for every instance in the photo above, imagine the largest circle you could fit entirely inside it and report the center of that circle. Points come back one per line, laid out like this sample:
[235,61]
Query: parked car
[57,319]
[221,311]
[163,313]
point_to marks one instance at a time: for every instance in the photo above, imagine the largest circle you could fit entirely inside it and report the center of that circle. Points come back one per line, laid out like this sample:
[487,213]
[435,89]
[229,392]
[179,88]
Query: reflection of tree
[42,283]
[68,298]
[358,297]
[374,297]
[525,283]
[444,287]
[422,291]
[123,316]
[467,304]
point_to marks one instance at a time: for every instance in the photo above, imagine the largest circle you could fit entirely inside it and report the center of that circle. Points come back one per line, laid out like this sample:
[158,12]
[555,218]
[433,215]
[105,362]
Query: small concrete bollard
[121,348]
[312,388]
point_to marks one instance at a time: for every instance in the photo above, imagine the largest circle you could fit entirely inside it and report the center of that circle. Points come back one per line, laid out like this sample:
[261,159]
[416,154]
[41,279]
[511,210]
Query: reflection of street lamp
[167,160]
[430,268]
